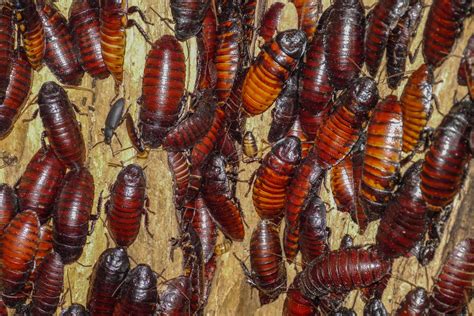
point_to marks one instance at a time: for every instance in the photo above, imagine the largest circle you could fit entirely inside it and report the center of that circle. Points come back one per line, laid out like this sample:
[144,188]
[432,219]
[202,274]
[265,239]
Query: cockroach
[190,130]
[416,107]
[174,300]
[443,169]
[180,169]
[375,307]
[268,74]
[113,15]
[188,16]
[17,92]
[249,146]
[273,176]
[195,181]
[84,24]
[308,15]
[270,21]
[342,271]
[466,67]
[8,206]
[72,214]
[315,90]
[61,126]
[137,142]
[297,131]
[210,269]
[234,116]
[383,18]
[266,260]
[107,275]
[383,148]
[405,218]
[311,122]
[313,239]
[162,90]
[19,245]
[343,127]
[306,181]
[296,304]
[40,183]
[32,31]
[285,111]
[344,42]
[7,45]
[48,285]
[443,27]
[452,287]
[415,303]
[206,41]
[75,310]
[138,293]
[113,120]
[198,215]
[399,40]
[224,208]
[249,8]
[229,49]
[59,53]
[126,205]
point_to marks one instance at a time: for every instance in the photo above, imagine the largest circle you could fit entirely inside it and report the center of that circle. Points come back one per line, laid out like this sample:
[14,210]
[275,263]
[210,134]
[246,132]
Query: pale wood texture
[230,293]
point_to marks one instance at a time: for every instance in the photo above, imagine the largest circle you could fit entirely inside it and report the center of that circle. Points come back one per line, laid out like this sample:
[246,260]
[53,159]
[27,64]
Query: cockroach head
[292,43]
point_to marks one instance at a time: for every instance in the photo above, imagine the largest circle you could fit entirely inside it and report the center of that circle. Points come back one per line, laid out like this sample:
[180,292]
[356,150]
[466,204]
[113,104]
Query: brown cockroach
[7,45]
[8,206]
[206,41]
[297,305]
[174,300]
[311,122]
[249,146]
[270,21]
[180,169]
[234,116]
[308,15]
[188,16]
[415,303]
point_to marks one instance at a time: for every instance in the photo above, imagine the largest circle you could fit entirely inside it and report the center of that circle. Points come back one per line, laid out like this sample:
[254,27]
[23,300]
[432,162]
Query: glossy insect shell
[310,123]
[174,300]
[249,145]
[59,54]
[297,131]
[107,275]
[7,44]
[308,15]
[126,205]
[85,28]
[40,183]
[297,305]
[72,213]
[162,89]
[271,69]
[415,303]
[206,41]
[188,16]
[270,21]
[8,205]
[180,169]
[75,310]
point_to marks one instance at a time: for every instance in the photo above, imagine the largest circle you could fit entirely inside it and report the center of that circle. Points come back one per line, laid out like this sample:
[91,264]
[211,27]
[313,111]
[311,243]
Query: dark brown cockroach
[342,271]
[343,127]
[32,31]
[443,170]
[17,92]
[310,122]
[206,41]
[266,261]
[382,19]
[180,169]
[234,116]
[453,286]
[197,214]
[61,126]
[306,182]
[192,129]
[297,131]
[19,245]
[229,49]
[107,275]
[273,177]
[85,29]
[344,42]
[113,15]
[443,27]
[345,186]
[48,285]
[383,148]
[40,183]
[416,107]
[162,90]
[126,205]
[188,16]
[399,41]
[466,67]
[8,206]
[249,146]
[224,208]
[75,310]
[313,239]
[297,305]
[405,218]
[270,21]
[308,15]
[268,74]
[72,214]
[375,307]
[285,111]
[138,293]
[415,303]
[7,45]
[174,300]
[59,53]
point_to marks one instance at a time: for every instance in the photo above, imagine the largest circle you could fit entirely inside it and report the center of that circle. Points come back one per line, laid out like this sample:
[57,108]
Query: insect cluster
[331,123]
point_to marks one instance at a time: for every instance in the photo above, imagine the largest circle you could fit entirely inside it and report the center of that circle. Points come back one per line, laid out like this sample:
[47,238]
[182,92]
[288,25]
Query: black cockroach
[375,307]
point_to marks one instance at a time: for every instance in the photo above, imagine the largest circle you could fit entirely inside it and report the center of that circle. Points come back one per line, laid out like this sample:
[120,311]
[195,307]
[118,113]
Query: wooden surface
[231,295]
